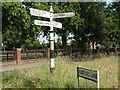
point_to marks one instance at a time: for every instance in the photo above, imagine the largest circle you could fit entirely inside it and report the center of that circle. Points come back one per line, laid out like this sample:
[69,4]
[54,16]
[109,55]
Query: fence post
[70,52]
[48,53]
[18,52]
[115,50]
[15,56]
[7,56]
[107,51]
[35,53]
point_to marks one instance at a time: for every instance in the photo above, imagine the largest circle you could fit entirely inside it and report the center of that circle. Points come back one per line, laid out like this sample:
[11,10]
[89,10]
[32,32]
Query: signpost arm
[51,41]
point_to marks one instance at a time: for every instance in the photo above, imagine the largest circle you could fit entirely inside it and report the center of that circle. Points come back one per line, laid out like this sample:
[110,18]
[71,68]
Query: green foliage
[111,25]
[93,22]
[36,43]
[43,43]
[17,27]
[59,44]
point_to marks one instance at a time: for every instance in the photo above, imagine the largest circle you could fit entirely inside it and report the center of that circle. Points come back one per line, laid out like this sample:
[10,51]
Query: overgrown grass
[65,75]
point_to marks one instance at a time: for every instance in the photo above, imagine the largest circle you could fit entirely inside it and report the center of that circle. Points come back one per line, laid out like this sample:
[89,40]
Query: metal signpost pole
[77,77]
[51,41]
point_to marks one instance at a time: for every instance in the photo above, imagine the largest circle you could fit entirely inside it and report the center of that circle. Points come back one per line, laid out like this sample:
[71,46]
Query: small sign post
[51,24]
[89,74]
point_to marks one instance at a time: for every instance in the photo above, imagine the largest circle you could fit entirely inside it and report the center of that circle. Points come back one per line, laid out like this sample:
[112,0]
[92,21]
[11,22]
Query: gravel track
[9,67]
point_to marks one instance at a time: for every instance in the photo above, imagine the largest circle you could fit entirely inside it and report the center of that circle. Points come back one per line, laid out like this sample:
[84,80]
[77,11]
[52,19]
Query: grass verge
[65,75]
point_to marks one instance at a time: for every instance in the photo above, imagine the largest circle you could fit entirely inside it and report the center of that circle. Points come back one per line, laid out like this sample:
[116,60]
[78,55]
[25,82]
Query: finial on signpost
[51,9]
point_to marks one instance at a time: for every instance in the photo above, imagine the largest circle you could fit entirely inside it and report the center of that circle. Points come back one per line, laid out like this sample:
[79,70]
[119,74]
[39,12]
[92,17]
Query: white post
[98,80]
[51,41]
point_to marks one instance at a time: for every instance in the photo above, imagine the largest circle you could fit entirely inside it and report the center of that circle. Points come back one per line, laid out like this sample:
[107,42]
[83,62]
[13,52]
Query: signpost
[89,74]
[51,24]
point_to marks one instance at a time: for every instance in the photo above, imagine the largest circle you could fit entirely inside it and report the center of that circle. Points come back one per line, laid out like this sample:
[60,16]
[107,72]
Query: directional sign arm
[47,23]
[57,24]
[41,13]
[62,15]
[42,23]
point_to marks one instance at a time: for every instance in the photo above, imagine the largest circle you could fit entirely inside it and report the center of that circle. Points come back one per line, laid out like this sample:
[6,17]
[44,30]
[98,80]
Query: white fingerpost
[51,41]
[51,24]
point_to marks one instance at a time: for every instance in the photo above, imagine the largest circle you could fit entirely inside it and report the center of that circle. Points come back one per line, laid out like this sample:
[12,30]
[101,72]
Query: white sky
[46,41]
[45,38]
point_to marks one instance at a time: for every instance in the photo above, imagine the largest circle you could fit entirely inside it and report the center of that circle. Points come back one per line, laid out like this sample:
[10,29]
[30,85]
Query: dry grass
[65,75]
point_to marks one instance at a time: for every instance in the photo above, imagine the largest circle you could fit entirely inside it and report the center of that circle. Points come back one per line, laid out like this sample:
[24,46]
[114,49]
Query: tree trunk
[4,47]
[93,47]
[64,41]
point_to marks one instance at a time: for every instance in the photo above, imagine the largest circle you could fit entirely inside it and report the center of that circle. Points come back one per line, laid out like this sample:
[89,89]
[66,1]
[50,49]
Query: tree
[14,27]
[59,44]
[93,22]
[111,25]
[69,23]
[18,28]
[88,24]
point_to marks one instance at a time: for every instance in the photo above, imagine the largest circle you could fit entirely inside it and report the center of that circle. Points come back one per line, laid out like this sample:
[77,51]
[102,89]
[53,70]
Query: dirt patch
[23,63]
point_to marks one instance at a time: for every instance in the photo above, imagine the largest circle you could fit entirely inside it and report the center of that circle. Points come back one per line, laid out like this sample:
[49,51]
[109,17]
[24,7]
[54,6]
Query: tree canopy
[93,22]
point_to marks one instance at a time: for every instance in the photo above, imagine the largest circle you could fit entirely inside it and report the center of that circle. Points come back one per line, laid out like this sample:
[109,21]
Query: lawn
[65,75]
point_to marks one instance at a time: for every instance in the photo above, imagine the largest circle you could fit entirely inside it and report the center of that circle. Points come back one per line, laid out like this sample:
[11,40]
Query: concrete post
[18,56]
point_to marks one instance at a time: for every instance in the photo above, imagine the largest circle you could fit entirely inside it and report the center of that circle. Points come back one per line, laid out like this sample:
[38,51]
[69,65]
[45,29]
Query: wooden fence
[34,54]
[7,55]
[45,53]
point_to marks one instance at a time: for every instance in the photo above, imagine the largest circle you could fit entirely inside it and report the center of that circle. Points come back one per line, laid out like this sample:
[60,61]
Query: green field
[65,75]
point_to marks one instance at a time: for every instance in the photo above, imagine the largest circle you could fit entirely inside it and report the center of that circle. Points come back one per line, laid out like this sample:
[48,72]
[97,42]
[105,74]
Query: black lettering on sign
[37,12]
[88,74]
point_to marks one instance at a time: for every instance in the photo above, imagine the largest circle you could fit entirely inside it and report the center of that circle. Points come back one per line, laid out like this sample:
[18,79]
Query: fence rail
[45,53]
[7,55]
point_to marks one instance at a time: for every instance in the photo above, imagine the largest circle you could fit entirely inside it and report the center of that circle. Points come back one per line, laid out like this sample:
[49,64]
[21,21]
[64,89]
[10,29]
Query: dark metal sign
[89,74]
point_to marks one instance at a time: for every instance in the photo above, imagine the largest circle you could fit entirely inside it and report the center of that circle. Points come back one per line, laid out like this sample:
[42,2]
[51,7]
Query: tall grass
[64,76]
